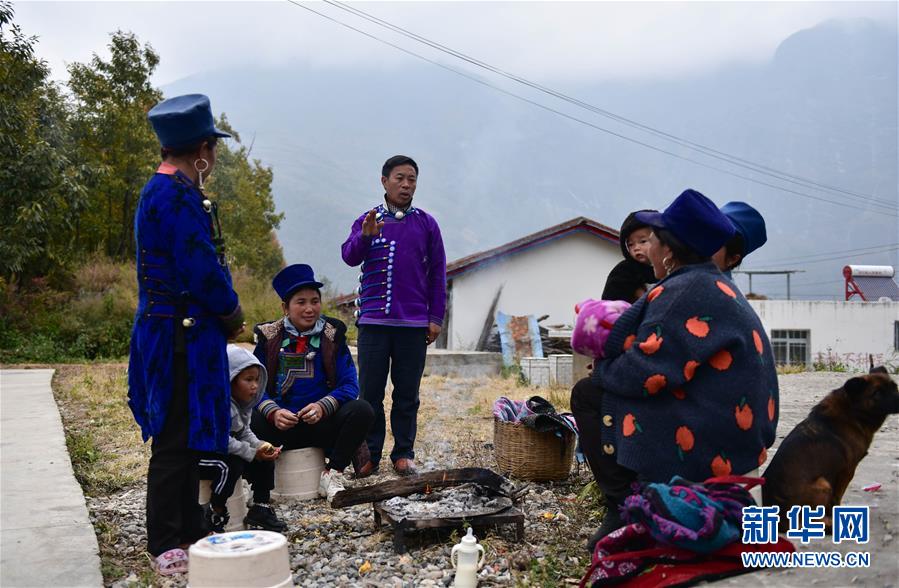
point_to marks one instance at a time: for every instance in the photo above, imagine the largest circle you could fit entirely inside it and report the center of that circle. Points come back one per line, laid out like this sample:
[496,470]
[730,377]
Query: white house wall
[545,279]
[841,332]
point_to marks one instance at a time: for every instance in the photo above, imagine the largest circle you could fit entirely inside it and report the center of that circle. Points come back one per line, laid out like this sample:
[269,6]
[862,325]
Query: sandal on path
[173,561]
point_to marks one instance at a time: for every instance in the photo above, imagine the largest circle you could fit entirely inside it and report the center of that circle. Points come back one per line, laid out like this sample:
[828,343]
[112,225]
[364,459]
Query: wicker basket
[524,453]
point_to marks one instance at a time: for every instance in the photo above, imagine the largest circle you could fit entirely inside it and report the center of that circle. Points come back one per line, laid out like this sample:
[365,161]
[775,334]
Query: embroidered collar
[395,209]
[316,329]
[168,169]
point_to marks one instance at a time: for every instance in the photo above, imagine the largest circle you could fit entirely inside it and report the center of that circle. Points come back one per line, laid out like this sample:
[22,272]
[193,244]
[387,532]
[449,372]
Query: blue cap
[183,121]
[292,278]
[694,220]
[748,223]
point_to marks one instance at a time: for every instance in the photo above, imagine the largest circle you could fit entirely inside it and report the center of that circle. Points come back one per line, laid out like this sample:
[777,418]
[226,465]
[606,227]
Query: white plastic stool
[251,559]
[298,472]
[237,504]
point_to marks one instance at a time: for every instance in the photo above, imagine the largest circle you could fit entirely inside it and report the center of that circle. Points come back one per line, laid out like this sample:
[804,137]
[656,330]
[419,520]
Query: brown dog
[817,460]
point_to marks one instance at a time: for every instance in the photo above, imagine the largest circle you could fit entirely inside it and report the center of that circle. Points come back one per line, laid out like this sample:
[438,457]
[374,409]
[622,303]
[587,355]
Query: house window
[896,335]
[791,346]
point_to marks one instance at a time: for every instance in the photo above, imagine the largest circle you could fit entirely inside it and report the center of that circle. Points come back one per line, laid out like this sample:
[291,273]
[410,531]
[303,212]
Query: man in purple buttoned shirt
[401,301]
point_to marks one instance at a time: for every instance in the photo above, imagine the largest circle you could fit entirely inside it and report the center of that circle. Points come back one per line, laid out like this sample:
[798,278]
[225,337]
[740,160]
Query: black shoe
[216,521]
[611,522]
[262,516]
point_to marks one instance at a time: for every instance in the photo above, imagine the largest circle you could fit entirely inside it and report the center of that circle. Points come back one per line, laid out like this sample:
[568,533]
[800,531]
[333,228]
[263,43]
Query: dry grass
[104,441]
[99,274]
[485,392]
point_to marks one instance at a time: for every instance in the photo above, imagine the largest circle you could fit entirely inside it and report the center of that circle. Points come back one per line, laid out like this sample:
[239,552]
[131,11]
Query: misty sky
[545,41]
[560,44]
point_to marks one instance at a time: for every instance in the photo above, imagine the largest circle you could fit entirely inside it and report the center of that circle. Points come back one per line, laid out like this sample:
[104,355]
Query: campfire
[466,501]
[445,498]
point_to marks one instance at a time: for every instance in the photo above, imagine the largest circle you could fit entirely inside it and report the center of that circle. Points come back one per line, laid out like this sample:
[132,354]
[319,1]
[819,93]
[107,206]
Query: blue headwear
[183,121]
[292,278]
[694,220]
[748,223]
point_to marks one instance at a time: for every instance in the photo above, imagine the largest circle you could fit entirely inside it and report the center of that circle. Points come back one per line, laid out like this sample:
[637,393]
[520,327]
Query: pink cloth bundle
[594,322]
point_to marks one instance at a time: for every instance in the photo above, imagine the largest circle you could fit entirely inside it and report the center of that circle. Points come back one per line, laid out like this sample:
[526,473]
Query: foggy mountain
[494,168]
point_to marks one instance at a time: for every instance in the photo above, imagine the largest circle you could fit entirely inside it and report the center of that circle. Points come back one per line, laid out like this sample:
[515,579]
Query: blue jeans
[400,351]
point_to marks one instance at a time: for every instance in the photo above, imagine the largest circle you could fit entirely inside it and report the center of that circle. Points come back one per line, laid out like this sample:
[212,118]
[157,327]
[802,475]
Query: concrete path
[46,537]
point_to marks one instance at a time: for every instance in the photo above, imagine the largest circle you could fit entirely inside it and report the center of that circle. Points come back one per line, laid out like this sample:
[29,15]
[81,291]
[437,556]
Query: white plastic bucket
[250,559]
[298,472]
[237,504]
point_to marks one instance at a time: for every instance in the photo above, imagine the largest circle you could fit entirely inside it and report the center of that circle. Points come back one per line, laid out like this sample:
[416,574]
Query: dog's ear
[879,370]
[855,387]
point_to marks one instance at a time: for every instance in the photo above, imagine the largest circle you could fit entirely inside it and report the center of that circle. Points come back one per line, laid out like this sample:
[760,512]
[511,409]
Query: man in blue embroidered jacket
[401,303]
[178,387]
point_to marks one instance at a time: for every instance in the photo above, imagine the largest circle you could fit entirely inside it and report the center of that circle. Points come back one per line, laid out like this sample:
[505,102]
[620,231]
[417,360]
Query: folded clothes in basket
[539,414]
[512,411]
[536,413]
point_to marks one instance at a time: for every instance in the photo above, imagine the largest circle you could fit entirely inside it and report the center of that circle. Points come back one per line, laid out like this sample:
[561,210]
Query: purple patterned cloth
[697,517]
[512,411]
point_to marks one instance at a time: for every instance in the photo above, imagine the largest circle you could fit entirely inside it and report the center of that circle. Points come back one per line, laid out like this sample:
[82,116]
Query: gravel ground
[328,547]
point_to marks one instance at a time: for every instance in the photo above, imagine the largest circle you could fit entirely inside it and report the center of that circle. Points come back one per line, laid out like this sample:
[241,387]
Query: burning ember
[439,499]
[468,500]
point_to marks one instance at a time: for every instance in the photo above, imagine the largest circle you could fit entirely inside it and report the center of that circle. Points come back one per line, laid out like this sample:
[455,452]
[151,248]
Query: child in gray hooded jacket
[247,455]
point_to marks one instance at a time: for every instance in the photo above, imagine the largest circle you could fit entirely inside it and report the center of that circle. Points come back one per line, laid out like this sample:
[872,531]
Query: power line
[842,256]
[568,116]
[705,150]
[838,252]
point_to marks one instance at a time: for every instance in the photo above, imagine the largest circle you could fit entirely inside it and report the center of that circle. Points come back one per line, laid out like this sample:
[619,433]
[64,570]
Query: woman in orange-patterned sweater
[688,385]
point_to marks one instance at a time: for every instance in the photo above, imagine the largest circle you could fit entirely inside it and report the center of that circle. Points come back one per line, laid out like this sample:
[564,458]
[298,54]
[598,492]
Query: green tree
[40,189]
[243,190]
[117,143]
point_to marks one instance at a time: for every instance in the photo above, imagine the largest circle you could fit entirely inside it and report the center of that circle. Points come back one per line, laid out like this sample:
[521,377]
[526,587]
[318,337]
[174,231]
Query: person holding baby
[684,382]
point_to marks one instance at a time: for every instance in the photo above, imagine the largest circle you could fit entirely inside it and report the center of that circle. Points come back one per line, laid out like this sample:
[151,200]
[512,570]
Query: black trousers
[339,435]
[173,516]
[613,479]
[401,351]
[225,470]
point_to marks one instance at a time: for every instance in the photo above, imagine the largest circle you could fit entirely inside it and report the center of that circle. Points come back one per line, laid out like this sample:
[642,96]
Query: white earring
[201,171]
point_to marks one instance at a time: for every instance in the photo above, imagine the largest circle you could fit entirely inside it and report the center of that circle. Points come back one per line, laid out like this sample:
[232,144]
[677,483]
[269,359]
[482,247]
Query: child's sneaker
[262,516]
[216,521]
[330,484]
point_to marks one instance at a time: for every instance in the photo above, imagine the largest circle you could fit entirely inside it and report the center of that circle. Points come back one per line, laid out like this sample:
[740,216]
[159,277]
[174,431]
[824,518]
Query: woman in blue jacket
[312,396]
[178,387]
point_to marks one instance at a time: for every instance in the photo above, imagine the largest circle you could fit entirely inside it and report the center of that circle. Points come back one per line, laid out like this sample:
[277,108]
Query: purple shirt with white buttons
[403,275]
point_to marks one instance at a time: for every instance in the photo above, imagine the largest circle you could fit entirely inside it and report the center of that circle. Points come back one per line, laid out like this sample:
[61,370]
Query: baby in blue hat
[749,235]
